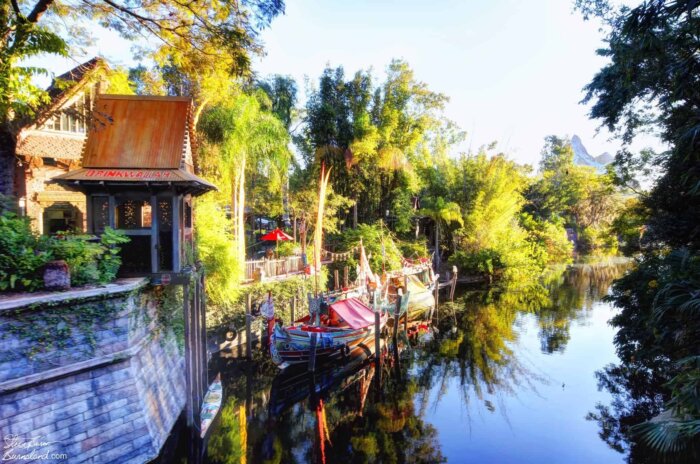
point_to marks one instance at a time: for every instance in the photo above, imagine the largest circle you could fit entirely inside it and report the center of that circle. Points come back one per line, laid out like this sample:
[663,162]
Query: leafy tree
[630,225]
[441,213]
[373,136]
[653,63]
[282,92]
[200,39]
[585,200]
[492,240]
[247,156]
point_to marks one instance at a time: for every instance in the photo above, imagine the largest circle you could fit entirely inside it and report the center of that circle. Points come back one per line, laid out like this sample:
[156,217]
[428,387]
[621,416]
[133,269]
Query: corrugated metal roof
[141,132]
[102,176]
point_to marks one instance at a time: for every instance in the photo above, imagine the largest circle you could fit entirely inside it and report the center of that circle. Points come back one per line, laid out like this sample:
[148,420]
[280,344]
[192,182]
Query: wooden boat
[211,405]
[348,323]
[419,287]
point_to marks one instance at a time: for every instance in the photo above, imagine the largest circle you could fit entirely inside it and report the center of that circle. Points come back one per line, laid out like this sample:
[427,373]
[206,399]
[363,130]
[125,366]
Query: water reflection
[471,359]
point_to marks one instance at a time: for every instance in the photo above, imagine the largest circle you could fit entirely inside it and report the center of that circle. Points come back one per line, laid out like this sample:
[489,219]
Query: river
[503,376]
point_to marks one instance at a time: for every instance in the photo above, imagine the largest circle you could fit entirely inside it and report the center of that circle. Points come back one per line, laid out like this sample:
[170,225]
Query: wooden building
[138,177]
[53,144]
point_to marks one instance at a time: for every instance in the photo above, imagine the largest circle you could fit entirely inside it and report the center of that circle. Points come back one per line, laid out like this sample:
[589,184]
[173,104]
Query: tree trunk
[437,246]
[354,215]
[8,143]
[294,226]
[241,214]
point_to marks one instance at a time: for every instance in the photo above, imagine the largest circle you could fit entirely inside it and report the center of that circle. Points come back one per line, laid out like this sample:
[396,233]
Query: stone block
[137,437]
[115,454]
[44,431]
[67,410]
[21,427]
[104,409]
[8,409]
[65,423]
[137,456]
[78,388]
[42,420]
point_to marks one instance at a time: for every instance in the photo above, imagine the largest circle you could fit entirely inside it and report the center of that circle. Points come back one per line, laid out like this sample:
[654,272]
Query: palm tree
[441,212]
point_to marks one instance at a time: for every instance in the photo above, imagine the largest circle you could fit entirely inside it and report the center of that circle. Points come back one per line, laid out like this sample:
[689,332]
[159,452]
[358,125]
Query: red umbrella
[276,235]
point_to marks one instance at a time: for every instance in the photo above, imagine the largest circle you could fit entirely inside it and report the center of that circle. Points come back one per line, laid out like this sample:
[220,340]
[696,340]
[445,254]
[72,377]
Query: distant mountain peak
[583,158]
[605,158]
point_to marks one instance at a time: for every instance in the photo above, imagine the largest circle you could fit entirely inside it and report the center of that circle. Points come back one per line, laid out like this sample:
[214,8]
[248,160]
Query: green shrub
[487,261]
[372,236]
[80,254]
[550,242]
[597,242]
[413,250]
[90,261]
[22,254]
[217,250]
[285,249]
[109,261]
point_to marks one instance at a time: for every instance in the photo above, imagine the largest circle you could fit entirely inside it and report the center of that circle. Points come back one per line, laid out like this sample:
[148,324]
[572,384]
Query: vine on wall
[45,328]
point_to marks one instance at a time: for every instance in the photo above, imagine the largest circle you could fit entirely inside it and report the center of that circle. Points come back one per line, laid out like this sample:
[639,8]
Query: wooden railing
[274,267]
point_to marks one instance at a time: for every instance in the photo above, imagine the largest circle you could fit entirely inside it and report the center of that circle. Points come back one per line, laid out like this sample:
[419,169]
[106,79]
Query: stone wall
[88,376]
[41,195]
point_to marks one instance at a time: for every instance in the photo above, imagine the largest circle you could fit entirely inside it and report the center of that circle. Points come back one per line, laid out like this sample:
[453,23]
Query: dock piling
[293,309]
[312,352]
[248,335]
[377,335]
[397,316]
[454,283]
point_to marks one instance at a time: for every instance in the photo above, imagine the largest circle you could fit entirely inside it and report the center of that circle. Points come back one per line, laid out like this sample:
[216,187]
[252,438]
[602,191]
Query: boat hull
[294,345]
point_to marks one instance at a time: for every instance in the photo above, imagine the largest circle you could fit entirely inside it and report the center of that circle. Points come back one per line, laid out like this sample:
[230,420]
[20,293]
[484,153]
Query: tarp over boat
[354,312]
[415,285]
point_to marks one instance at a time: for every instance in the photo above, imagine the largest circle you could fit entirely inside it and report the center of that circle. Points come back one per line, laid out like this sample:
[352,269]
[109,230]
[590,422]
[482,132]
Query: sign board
[130,174]
[170,278]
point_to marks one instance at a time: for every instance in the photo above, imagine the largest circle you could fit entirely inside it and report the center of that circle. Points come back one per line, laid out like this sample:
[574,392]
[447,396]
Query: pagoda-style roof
[139,140]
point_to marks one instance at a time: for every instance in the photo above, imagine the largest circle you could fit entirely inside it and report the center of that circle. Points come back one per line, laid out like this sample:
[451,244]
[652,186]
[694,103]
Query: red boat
[348,323]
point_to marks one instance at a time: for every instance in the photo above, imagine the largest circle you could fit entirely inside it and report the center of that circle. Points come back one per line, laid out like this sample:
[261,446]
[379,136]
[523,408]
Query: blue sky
[514,70]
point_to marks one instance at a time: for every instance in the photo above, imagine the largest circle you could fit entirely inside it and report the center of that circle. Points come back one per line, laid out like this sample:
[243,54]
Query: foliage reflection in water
[504,375]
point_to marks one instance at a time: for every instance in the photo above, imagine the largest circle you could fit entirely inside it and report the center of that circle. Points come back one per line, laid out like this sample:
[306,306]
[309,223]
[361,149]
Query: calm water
[502,376]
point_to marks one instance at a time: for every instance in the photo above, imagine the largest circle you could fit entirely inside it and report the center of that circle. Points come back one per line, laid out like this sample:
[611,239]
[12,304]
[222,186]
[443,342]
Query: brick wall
[113,400]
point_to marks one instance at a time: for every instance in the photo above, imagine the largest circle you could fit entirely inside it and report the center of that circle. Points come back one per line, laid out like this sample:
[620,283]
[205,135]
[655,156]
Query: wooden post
[397,316]
[203,327]
[294,308]
[454,283]
[337,279]
[346,277]
[377,336]
[189,365]
[312,352]
[248,335]
[437,297]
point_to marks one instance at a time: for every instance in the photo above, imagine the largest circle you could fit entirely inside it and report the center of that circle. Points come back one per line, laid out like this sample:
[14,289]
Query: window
[100,214]
[62,217]
[133,213]
[73,118]
[165,234]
